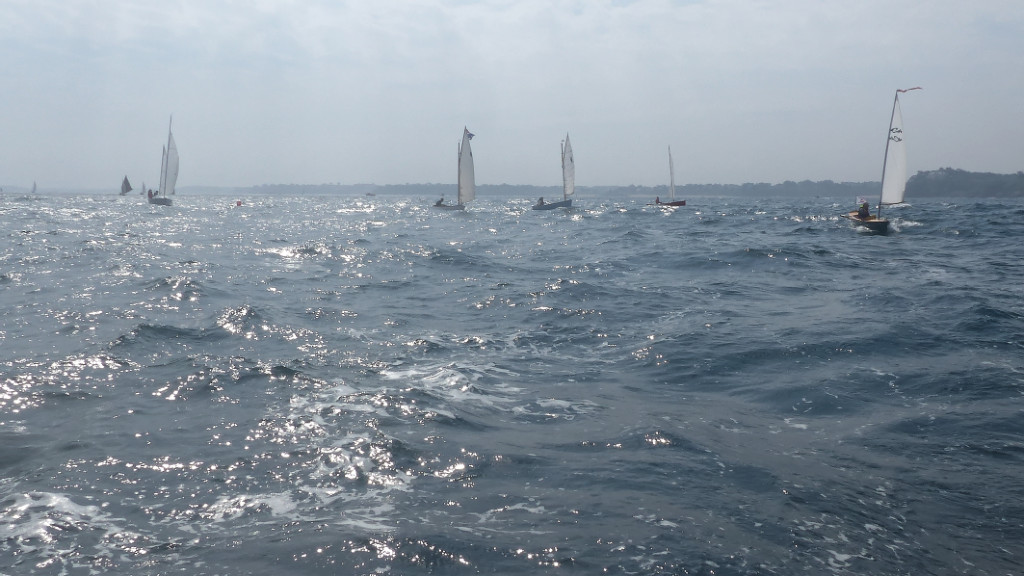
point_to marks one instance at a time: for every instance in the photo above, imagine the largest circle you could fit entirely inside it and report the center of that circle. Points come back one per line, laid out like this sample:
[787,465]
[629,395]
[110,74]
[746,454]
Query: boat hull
[450,206]
[160,200]
[553,205]
[877,225]
[673,203]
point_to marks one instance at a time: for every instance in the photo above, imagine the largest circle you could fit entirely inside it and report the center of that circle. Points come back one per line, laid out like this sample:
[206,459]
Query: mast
[671,177]
[568,169]
[885,159]
[167,158]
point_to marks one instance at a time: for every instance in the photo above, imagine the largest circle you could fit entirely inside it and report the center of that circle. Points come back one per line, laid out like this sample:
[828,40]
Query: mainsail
[568,170]
[894,167]
[467,176]
[126,187]
[171,173]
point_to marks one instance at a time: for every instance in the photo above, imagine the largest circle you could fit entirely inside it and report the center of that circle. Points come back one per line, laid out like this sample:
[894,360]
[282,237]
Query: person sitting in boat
[150,193]
[440,202]
[657,199]
[863,212]
[541,201]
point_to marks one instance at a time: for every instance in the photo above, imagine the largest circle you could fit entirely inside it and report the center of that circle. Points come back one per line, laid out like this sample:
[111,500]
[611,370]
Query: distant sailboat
[34,187]
[671,185]
[568,180]
[894,173]
[467,176]
[168,172]
[125,186]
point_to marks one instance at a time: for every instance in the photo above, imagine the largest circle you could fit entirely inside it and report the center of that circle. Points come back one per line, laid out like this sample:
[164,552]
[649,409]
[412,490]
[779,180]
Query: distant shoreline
[941,183]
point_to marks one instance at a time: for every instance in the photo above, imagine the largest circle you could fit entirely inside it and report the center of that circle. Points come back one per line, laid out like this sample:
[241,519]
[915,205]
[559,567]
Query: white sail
[671,177]
[894,167]
[568,170]
[168,166]
[467,176]
[171,175]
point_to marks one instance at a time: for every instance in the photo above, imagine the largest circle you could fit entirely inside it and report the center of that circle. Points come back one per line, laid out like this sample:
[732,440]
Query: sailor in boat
[657,199]
[150,194]
[863,212]
[440,202]
[541,201]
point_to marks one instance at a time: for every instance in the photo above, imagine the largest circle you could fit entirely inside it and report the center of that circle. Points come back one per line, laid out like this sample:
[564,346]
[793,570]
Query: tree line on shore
[942,183]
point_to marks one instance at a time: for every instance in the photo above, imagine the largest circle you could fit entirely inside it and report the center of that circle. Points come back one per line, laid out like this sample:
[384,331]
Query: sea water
[349,385]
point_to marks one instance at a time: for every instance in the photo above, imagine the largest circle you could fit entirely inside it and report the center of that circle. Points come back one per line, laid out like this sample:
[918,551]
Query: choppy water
[321,385]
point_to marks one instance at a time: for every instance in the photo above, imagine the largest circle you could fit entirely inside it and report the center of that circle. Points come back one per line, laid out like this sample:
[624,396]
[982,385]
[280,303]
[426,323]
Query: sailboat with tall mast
[467,176]
[168,171]
[568,180]
[894,172]
[126,186]
[671,186]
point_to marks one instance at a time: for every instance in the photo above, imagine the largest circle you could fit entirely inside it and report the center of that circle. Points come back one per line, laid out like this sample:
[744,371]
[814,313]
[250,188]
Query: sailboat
[671,186]
[568,180]
[125,186]
[34,187]
[168,172]
[467,177]
[894,173]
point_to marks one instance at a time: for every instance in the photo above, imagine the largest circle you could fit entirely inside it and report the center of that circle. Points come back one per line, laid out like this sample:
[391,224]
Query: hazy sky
[356,91]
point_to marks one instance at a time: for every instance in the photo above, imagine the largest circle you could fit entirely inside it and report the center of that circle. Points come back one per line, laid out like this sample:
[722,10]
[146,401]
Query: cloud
[318,91]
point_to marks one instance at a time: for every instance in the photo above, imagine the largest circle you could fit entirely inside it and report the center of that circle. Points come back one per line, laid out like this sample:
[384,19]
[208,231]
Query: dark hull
[450,206]
[877,225]
[553,205]
[673,203]
[161,200]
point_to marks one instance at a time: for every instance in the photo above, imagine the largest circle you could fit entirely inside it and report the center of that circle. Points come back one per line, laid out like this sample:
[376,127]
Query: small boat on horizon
[671,186]
[126,187]
[568,180]
[467,176]
[168,172]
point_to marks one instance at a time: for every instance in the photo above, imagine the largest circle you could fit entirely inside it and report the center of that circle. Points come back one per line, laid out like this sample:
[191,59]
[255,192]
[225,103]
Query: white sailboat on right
[894,173]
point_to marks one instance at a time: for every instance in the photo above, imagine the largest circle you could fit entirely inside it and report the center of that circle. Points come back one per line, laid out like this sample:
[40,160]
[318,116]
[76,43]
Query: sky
[360,91]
